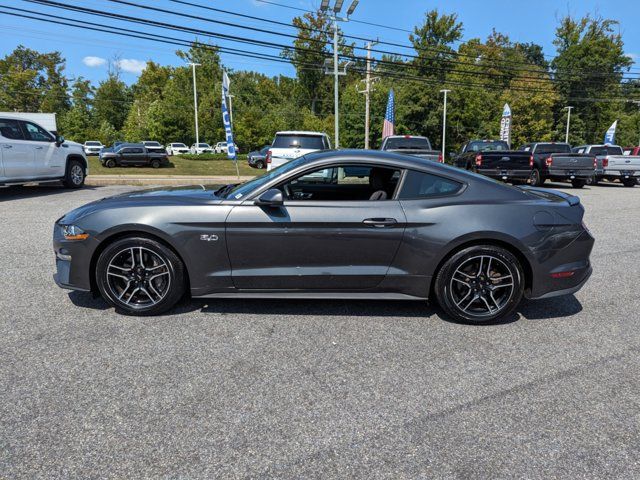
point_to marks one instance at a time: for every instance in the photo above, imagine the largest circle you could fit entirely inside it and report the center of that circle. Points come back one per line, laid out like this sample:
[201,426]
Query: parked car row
[94,147]
[534,163]
[133,154]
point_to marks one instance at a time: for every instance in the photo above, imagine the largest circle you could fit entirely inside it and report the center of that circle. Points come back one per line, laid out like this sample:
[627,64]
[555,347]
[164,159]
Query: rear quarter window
[424,185]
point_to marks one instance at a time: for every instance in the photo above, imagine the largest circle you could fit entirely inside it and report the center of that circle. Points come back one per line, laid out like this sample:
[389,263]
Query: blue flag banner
[610,136]
[505,125]
[226,119]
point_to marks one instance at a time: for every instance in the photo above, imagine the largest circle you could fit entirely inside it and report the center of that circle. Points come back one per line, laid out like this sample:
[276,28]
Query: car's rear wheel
[629,182]
[480,284]
[75,175]
[140,276]
[259,164]
[578,183]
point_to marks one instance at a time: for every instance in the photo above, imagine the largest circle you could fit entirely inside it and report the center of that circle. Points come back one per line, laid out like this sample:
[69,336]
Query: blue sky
[87,53]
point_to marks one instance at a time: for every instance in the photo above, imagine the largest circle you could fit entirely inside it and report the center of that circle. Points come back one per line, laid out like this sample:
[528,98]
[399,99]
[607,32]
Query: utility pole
[568,109]
[195,101]
[444,123]
[324,7]
[367,92]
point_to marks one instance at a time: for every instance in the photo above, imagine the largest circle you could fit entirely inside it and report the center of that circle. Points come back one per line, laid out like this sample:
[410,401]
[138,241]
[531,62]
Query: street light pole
[568,109]
[195,101]
[444,123]
[367,94]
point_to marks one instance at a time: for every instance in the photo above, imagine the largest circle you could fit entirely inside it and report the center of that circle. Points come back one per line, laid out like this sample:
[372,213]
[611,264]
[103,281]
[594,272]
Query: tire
[472,285]
[578,183]
[536,179]
[259,164]
[629,182]
[75,176]
[127,282]
[155,163]
[110,163]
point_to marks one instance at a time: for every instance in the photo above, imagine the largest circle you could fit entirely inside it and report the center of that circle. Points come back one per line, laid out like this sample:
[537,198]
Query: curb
[135,180]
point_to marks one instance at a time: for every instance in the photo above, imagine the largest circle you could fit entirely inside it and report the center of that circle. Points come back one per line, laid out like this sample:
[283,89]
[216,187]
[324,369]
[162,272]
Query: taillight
[605,162]
[531,161]
[595,162]
[478,160]
[268,159]
[549,161]
[440,158]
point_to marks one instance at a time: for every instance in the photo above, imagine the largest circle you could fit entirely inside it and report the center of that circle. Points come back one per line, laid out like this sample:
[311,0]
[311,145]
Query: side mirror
[59,140]
[270,198]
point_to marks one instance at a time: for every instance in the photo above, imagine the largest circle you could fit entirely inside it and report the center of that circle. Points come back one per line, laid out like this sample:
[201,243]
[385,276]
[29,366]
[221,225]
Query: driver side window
[344,183]
[36,133]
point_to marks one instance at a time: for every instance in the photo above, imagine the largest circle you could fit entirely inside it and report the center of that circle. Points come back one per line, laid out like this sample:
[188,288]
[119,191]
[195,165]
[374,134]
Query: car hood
[156,197]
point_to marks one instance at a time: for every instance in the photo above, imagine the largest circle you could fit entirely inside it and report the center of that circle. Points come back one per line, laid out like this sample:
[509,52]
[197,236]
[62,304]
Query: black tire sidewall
[110,163]
[578,183]
[259,164]
[175,265]
[68,182]
[155,163]
[443,280]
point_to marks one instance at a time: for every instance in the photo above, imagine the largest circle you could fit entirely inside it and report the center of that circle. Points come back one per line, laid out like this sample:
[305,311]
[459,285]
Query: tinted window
[37,133]
[93,144]
[553,148]
[487,146]
[402,143]
[203,145]
[152,144]
[11,129]
[424,185]
[178,145]
[605,151]
[307,142]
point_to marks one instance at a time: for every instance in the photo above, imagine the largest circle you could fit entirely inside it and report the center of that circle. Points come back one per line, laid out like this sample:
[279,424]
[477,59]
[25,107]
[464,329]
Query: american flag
[389,117]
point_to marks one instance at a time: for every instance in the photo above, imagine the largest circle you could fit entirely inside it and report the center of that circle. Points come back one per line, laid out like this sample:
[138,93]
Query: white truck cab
[290,145]
[30,153]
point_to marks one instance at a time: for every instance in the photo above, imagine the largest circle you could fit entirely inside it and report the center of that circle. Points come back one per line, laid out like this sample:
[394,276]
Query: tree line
[589,72]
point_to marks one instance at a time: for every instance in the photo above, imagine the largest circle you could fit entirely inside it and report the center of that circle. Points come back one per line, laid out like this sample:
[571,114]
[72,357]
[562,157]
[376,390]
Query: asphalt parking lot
[316,389]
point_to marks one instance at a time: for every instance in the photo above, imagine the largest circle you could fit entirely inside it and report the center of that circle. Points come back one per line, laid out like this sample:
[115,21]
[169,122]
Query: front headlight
[73,232]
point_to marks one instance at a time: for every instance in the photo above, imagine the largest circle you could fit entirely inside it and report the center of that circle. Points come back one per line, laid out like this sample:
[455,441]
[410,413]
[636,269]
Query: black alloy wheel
[536,179]
[140,276]
[480,284]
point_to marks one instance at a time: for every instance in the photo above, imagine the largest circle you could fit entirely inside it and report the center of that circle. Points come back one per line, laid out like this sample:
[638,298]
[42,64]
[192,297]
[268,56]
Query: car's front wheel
[259,164]
[140,276]
[110,163]
[480,284]
[75,175]
[155,163]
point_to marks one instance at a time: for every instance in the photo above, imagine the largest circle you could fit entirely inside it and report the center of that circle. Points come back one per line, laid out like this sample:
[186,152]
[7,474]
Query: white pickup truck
[290,145]
[612,164]
[30,153]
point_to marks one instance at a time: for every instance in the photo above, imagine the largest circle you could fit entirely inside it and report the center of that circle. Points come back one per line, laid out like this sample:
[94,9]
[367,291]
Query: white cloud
[132,65]
[94,61]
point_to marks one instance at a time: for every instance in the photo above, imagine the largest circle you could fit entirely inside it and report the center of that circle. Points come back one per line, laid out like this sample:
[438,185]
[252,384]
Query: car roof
[301,132]
[405,136]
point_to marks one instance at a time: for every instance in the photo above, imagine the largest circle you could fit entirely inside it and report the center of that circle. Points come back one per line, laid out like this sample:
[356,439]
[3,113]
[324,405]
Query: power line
[254,41]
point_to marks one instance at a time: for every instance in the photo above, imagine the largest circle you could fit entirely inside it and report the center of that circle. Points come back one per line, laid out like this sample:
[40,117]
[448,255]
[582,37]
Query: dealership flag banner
[505,125]
[389,117]
[226,120]
[610,136]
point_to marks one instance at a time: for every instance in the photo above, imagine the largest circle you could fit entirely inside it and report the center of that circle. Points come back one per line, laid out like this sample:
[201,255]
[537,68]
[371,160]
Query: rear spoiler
[548,194]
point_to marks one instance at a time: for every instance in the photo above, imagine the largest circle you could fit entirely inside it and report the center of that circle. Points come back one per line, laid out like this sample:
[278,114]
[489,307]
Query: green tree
[77,123]
[112,100]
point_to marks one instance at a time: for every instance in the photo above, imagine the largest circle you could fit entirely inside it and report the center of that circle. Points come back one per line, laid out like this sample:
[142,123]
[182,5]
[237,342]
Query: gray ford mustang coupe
[338,224]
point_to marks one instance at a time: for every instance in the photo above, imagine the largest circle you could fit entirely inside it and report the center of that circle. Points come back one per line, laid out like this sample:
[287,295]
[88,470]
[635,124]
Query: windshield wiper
[223,191]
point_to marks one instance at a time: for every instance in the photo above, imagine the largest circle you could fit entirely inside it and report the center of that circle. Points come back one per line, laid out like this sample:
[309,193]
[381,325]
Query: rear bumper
[574,257]
[500,174]
[570,174]
[618,173]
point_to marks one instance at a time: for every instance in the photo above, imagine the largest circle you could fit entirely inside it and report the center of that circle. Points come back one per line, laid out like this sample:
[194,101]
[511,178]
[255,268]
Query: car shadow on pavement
[21,192]
[531,310]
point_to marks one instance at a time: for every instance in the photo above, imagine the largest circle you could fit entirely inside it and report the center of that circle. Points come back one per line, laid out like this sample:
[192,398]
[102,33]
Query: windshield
[93,144]
[606,150]
[553,148]
[152,144]
[179,145]
[487,146]
[307,142]
[411,143]
[203,145]
[244,189]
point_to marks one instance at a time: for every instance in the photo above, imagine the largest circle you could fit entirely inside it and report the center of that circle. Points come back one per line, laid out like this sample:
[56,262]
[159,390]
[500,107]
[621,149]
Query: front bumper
[73,261]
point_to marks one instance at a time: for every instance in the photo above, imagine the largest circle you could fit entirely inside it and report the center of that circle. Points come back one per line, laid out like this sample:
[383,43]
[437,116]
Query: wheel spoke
[133,258]
[136,290]
[158,275]
[473,299]
[141,259]
[122,269]
[494,300]
[117,275]
[480,267]
[489,268]
[486,303]
[495,287]
[463,298]
[124,291]
[146,292]
[462,282]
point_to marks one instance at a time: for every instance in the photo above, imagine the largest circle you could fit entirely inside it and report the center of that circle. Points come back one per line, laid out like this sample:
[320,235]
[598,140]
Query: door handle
[39,148]
[7,146]
[380,222]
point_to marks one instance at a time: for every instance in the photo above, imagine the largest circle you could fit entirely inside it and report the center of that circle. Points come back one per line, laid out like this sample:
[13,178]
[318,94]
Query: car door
[336,241]
[132,156]
[48,157]
[17,152]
